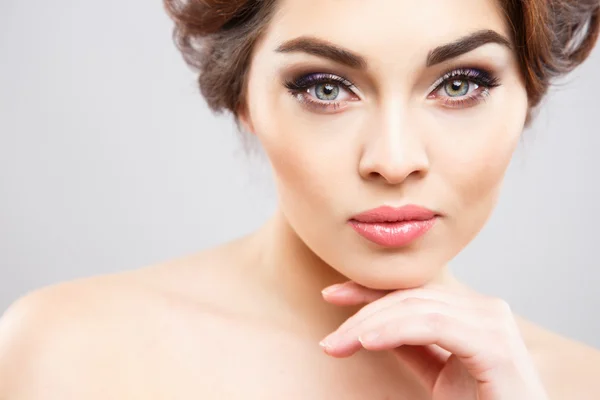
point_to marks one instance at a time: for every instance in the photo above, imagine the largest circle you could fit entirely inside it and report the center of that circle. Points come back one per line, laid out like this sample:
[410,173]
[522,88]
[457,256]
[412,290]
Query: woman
[389,126]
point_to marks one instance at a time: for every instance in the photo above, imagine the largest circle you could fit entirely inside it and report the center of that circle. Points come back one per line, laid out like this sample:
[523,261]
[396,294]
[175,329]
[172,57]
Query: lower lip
[392,234]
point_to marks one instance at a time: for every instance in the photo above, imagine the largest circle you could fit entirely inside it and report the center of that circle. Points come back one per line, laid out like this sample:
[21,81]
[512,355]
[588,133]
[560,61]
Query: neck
[296,275]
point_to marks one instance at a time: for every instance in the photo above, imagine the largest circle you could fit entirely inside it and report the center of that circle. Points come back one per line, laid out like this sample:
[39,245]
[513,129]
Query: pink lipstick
[393,227]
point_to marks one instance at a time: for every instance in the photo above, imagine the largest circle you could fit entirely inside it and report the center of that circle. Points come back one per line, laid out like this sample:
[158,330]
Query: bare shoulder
[569,368]
[96,327]
[47,330]
[573,370]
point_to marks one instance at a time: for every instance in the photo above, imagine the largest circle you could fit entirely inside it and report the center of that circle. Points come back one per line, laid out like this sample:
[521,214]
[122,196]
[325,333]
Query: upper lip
[395,214]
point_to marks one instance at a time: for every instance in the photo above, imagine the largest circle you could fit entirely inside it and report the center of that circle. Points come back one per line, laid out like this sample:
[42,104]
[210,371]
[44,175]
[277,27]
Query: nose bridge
[394,148]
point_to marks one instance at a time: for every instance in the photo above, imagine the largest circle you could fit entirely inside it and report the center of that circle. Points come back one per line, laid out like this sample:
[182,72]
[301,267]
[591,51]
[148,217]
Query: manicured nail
[327,341]
[369,338]
[324,345]
[332,289]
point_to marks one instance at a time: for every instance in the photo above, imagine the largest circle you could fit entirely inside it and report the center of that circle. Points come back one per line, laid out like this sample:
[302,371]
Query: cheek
[297,175]
[296,164]
[312,156]
[476,167]
[480,178]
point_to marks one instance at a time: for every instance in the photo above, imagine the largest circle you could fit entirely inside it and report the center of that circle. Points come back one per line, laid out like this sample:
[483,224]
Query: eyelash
[485,81]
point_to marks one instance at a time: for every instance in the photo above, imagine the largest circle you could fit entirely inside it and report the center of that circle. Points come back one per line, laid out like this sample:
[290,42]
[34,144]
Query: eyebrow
[323,48]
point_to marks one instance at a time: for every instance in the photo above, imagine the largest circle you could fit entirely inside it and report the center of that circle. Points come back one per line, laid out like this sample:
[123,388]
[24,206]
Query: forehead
[383,30]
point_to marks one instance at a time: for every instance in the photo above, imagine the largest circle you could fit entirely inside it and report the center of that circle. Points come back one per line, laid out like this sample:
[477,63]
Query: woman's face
[355,110]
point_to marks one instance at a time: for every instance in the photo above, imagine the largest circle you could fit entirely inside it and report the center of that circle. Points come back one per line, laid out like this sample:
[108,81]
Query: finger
[400,296]
[478,349]
[351,293]
[448,331]
[347,342]
[422,329]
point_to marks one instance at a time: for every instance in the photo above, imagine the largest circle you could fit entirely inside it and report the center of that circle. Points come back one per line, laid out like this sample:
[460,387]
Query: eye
[464,87]
[458,87]
[323,92]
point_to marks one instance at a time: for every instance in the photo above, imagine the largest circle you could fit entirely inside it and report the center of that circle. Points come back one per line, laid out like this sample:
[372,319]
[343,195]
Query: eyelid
[303,68]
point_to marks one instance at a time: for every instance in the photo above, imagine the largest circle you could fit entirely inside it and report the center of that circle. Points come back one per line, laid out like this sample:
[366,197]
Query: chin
[388,269]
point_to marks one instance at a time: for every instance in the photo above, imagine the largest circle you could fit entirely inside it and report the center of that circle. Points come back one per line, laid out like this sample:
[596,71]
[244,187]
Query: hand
[461,347]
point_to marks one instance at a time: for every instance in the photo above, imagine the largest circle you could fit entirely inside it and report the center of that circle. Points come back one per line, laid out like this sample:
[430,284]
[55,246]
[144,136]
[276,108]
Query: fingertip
[332,289]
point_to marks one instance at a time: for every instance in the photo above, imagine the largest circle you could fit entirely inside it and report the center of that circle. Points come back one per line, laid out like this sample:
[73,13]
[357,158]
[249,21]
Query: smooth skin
[244,320]
[459,347]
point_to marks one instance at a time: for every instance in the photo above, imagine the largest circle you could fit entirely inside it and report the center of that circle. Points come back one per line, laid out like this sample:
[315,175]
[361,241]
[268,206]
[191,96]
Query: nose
[394,151]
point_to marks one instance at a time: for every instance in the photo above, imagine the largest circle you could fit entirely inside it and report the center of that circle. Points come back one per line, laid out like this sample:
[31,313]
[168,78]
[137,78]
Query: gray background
[110,160]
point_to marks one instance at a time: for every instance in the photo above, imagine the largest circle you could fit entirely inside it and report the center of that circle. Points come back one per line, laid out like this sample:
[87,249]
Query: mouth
[394,226]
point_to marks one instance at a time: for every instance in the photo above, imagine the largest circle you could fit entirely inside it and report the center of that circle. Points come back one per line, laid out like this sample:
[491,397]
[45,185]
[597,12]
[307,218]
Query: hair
[217,37]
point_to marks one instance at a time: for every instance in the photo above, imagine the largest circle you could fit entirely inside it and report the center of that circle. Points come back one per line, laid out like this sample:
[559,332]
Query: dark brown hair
[216,38]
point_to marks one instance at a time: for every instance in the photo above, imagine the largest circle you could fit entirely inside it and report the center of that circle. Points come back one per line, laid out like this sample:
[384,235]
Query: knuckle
[411,301]
[502,358]
[496,360]
[500,306]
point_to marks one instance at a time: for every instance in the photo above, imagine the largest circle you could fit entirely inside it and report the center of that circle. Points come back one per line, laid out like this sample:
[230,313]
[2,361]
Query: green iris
[457,88]
[327,91]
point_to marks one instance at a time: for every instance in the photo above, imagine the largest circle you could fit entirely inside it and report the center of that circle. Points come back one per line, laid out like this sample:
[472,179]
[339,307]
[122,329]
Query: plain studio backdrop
[110,160]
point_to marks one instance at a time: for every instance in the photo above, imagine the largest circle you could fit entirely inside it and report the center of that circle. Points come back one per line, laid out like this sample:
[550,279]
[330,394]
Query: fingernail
[369,338]
[332,289]
[327,341]
[324,344]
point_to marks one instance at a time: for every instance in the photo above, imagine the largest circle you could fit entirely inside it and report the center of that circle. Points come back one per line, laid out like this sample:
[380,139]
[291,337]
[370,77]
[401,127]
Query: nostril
[375,175]
[395,178]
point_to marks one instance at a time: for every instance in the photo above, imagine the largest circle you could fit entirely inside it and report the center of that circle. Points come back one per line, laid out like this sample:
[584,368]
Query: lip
[394,226]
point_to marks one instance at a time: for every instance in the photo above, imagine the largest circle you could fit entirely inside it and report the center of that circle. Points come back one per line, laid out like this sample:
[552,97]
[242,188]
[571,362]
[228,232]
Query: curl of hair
[552,38]
[216,38]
